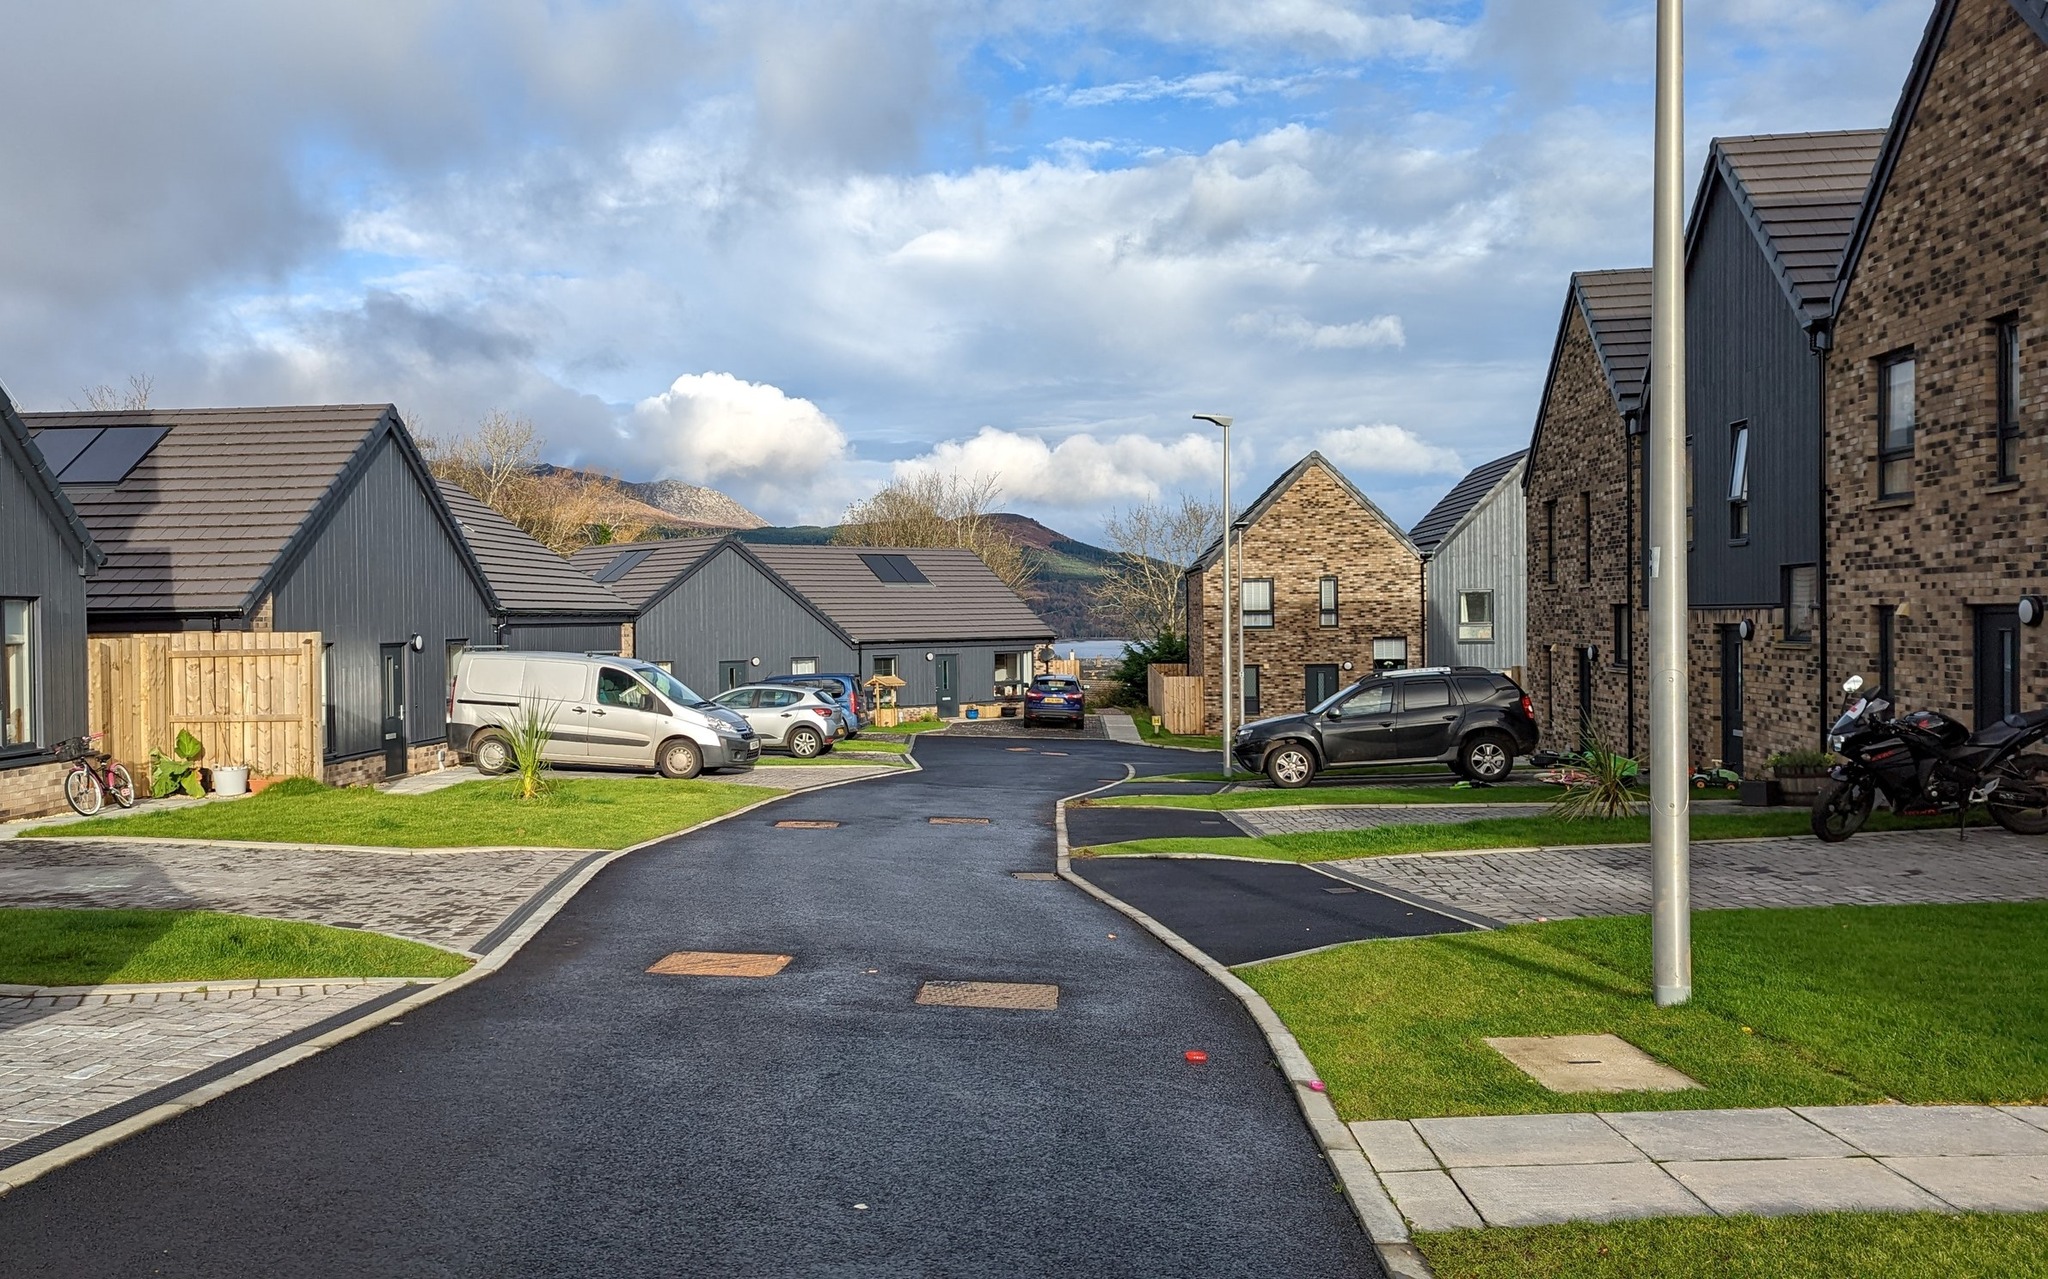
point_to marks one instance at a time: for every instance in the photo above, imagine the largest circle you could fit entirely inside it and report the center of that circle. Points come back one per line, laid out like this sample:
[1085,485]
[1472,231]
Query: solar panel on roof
[108,459]
[907,571]
[624,563]
[62,445]
[897,570]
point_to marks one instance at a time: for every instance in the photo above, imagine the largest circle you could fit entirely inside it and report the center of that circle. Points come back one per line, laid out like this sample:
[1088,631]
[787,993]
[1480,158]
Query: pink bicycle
[93,776]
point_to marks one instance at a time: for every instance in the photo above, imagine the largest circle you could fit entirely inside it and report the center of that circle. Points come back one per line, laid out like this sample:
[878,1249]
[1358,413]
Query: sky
[791,249]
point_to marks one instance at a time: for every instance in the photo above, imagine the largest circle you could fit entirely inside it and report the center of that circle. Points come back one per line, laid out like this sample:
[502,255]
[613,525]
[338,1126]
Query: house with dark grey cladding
[43,570]
[719,613]
[313,520]
[540,602]
[1475,584]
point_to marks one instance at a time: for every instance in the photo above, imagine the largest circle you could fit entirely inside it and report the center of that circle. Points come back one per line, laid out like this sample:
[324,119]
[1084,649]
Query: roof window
[897,570]
[623,563]
[94,454]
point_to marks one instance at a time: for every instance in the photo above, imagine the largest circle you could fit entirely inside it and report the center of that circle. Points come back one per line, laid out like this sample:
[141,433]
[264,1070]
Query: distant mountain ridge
[690,506]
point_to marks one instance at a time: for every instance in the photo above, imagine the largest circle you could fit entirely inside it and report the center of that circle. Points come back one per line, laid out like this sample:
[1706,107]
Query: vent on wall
[895,569]
[94,454]
[624,563]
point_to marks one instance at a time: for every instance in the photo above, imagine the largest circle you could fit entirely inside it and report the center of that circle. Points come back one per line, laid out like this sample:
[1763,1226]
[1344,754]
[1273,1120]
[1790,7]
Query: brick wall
[369,769]
[1959,240]
[1314,529]
[34,790]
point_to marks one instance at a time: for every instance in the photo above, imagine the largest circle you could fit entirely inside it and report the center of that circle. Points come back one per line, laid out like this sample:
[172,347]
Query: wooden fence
[250,697]
[1061,666]
[1174,696]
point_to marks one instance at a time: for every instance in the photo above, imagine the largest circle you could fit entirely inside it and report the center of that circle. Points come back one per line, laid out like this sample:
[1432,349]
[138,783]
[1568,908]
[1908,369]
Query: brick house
[1330,588]
[1583,512]
[1936,379]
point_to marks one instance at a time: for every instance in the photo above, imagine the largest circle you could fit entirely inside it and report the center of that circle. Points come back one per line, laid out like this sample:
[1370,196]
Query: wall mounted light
[927,657]
[2031,610]
[756,661]
[1746,628]
[418,643]
[1347,666]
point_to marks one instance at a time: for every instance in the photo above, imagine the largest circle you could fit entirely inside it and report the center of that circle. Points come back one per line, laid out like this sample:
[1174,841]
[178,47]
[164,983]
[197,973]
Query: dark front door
[1361,729]
[1319,686]
[1998,664]
[1731,699]
[946,676]
[1428,716]
[731,675]
[1585,724]
[391,687]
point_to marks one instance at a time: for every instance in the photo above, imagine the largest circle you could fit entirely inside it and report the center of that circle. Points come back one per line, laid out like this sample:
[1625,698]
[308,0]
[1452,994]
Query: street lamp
[1244,694]
[1670,803]
[1229,766]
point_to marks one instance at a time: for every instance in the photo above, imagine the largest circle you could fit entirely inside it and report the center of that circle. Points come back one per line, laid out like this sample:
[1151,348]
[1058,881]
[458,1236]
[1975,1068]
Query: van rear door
[563,693]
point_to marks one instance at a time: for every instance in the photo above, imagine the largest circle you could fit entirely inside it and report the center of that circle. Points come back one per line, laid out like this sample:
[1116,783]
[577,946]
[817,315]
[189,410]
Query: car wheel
[804,743]
[679,759]
[1291,767]
[1486,757]
[493,754]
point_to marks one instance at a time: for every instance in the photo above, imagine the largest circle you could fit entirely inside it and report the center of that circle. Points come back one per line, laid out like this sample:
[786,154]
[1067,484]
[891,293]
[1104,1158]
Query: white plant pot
[231,780]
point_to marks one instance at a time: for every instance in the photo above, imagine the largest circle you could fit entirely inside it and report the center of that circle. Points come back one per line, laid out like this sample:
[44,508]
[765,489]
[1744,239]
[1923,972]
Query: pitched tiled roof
[1430,532]
[654,566]
[1617,309]
[964,600]
[15,443]
[1801,193]
[206,516]
[1263,502]
[524,576]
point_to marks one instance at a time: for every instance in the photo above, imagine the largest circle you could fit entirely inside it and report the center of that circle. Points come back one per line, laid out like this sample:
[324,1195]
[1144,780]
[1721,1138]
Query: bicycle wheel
[121,786]
[82,789]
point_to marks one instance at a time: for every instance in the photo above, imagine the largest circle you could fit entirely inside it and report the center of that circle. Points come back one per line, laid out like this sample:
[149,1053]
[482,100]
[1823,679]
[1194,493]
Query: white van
[604,712]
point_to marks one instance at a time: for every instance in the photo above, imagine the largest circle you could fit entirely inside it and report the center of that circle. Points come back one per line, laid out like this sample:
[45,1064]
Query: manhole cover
[796,824]
[1032,874]
[719,963]
[1014,995]
[958,821]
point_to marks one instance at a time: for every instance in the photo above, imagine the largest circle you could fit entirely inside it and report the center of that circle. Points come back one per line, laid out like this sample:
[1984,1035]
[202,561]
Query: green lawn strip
[790,761]
[575,813]
[1159,737]
[97,947]
[1340,795]
[1492,832]
[873,746]
[1826,1246]
[1817,1006]
[915,726]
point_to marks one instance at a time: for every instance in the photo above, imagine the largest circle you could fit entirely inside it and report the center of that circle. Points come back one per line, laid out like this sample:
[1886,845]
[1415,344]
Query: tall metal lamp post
[1229,765]
[1244,695]
[1670,803]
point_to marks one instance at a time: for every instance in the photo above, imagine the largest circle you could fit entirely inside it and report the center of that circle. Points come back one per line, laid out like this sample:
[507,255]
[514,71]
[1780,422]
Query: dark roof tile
[525,576]
[1430,532]
[965,601]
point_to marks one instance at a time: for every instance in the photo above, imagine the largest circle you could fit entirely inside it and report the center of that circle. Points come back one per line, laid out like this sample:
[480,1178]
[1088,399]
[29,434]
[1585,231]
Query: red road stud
[1318,1085]
[1195,1056]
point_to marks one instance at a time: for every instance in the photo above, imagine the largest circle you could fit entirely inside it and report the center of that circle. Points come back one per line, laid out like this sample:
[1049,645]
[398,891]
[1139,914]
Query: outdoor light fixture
[418,642]
[928,657]
[1746,628]
[2030,610]
[1347,666]
[755,661]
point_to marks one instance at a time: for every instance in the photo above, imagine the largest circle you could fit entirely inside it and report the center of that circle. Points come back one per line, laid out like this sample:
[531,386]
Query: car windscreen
[669,686]
[1056,685]
[1337,698]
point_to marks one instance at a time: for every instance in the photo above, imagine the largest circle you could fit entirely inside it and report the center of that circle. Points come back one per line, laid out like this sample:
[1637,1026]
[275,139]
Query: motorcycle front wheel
[2028,775]
[1841,808]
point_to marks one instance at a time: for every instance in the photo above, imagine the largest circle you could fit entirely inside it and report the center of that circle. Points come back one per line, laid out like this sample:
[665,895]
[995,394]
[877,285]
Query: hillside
[671,507]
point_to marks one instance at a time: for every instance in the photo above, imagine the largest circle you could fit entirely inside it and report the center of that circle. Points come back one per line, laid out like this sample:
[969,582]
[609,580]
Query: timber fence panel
[249,697]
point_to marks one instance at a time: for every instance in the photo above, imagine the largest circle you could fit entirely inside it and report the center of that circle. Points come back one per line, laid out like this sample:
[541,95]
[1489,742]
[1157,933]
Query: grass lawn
[871,746]
[1827,1005]
[1142,717]
[914,726]
[600,812]
[1495,832]
[94,947]
[836,757]
[1829,1246]
[1275,798]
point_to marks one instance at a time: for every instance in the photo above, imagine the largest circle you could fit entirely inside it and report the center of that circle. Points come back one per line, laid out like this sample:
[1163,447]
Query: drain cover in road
[795,824]
[719,963]
[1014,995]
[1590,1063]
[1032,874]
[958,821]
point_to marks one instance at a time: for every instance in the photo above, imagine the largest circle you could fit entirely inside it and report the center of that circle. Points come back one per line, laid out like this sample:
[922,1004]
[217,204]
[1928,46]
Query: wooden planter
[1800,783]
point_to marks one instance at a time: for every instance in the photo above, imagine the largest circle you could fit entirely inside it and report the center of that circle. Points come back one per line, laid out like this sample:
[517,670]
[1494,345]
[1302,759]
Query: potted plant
[177,773]
[1799,773]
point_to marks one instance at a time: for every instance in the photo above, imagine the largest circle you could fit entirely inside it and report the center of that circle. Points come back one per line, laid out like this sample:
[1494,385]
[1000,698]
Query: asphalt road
[575,1115]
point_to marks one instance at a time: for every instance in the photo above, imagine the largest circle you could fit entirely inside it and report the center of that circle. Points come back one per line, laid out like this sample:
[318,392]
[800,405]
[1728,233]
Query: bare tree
[503,448]
[499,464]
[940,509]
[1156,543]
[104,398]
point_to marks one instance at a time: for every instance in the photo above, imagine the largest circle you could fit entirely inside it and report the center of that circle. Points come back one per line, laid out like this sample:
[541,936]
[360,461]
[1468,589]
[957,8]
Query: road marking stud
[1195,1056]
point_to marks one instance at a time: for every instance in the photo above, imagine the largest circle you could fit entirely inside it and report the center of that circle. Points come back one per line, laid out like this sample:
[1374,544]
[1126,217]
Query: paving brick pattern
[450,899]
[1526,1170]
[1901,868]
[65,1058]
[1316,821]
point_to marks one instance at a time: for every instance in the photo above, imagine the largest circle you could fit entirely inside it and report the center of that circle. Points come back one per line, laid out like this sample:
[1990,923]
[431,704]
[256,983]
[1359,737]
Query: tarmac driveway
[576,1115]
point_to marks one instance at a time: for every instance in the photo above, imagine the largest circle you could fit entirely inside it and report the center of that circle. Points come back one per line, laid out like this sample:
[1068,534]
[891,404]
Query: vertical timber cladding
[250,697]
[41,564]
[1955,243]
[728,610]
[1582,446]
[1313,528]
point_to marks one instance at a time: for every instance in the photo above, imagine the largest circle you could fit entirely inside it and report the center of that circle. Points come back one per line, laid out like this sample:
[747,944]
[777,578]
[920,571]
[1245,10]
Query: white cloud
[1380,330]
[709,428]
[1387,449]
[1078,471]
[1218,88]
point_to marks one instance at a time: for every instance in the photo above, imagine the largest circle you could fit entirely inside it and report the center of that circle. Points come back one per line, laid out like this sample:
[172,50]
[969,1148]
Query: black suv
[1464,716]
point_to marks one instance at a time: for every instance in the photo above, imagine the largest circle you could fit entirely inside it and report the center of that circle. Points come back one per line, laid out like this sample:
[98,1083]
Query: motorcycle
[1925,762]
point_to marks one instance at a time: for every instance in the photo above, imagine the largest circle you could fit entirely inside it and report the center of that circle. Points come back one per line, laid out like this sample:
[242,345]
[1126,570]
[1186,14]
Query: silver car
[802,721]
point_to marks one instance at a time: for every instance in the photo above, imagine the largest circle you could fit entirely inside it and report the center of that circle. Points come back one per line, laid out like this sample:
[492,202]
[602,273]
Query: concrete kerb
[559,895]
[1375,1210]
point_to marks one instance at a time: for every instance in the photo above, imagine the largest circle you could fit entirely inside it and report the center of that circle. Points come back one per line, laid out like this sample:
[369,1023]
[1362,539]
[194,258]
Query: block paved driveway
[1891,868]
[574,1115]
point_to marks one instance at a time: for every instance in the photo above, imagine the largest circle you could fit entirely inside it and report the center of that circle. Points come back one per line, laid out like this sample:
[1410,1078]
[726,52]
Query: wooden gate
[1175,697]
[251,697]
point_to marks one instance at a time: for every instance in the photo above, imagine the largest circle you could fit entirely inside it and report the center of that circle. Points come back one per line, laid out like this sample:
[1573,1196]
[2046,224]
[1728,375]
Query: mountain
[1064,571]
[694,504]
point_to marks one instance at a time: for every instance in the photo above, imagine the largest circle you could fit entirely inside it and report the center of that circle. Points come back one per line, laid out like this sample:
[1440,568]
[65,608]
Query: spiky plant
[1601,783]
[528,732]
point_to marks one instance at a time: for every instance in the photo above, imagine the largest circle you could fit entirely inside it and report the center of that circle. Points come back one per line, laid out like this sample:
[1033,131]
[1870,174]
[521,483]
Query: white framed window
[803,666]
[1389,653]
[1255,603]
[885,665]
[17,673]
[1475,618]
[1326,602]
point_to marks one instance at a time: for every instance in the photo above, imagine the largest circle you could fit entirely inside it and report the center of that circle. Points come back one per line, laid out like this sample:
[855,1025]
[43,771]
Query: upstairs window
[1475,617]
[2008,400]
[1550,540]
[1326,602]
[1738,483]
[1802,603]
[1895,428]
[1255,603]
